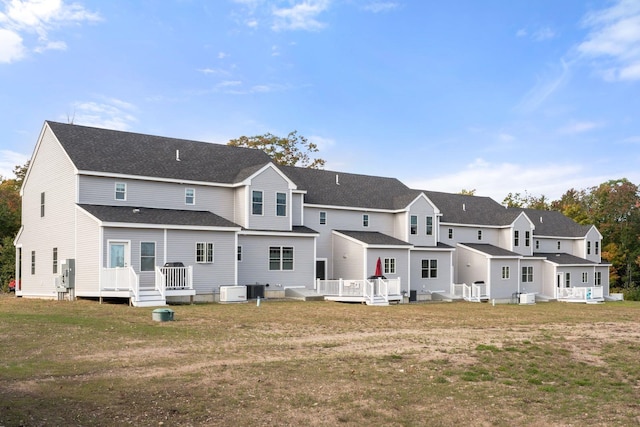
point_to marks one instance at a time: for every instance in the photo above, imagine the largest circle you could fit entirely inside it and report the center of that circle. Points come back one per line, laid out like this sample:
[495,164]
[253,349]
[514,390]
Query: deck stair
[378,300]
[149,298]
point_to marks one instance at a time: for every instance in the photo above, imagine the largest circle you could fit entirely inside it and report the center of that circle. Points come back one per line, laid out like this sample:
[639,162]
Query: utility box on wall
[68,273]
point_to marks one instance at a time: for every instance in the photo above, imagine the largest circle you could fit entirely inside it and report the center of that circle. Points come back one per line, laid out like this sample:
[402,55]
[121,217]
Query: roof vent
[540,220]
[337,179]
[178,155]
[464,207]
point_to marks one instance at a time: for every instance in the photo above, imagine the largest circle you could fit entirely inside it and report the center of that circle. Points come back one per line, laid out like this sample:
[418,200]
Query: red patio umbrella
[378,268]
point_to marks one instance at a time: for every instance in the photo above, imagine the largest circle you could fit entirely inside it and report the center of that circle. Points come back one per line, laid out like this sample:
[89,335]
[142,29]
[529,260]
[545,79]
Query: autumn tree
[294,150]
[10,219]
[517,200]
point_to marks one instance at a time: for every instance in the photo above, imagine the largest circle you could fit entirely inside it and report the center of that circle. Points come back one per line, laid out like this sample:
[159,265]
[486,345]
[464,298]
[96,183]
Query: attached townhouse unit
[153,219]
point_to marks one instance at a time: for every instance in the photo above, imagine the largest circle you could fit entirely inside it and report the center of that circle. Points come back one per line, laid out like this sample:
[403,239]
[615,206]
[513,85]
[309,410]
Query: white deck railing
[359,288]
[118,279]
[588,293]
[475,292]
[174,277]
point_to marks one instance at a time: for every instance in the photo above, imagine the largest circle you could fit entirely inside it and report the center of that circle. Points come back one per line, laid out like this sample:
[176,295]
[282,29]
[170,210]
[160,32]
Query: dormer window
[451,233]
[558,244]
[281,204]
[597,247]
[516,238]
[527,238]
[323,217]
[365,220]
[479,234]
[588,248]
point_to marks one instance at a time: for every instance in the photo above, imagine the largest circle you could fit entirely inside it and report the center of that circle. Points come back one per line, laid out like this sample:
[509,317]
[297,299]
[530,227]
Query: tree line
[613,207]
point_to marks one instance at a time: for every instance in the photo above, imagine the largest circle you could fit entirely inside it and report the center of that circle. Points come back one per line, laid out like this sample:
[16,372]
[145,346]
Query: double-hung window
[429,268]
[429,226]
[506,273]
[239,256]
[598,278]
[414,224]
[479,234]
[585,277]
[33,262]
[567,280]
[527,274]
[42,204]
[121,191]
[189,196]
[281,204]
[516,238]
[256,202]
[323,217]
[527,238]
[450,233]
[280,258]
[365,220]
[55,260]
[389,266]
[597,247]
[204,252]
[147,256]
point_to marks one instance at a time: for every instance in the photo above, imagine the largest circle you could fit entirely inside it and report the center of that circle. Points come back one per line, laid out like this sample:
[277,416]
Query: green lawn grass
[319,363]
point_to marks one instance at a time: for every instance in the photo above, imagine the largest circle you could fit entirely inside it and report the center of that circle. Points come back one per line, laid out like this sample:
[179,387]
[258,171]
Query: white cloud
[381,6]
[111,114]
[222,55]
[39,18]
[614,40]
[11,47]
[544,88]
[301,16]
[579,127]
[9,160]
[521,33]
[496,180]
[322,142]
[543,34]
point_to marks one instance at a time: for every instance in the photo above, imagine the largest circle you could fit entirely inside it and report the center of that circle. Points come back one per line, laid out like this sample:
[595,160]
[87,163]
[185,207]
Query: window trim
[567,279]
[254,203]
[431,270]
[450,233]
[389,266]
[527,274]
[54,257]
[413,225]
[193,196]
[585,277]
[142,256]
[598,278]
[281,205]
[558,244]
[527,238]
[365,220]
[239,253]
[281,260]
[323,217]
[588,247]
[33,262]
[597,247]
[516,238]
[429,225]
[204,256]
[42,201]
[479,234]
[123,191]
[506,272]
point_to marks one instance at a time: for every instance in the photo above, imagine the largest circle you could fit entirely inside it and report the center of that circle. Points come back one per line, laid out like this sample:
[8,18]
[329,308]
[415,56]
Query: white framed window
[598,278]
[429,226]
[239,256]
[281,204]
[527,274]
[558,244]
[323,217]
[588,247]
[527,238]
[256,202]
[42,204]
[429,268]
[204,252]
[281,258]
[33,262]
[537,244]
[365,220]
[121,191]
[567,280]
[189,196]
[451,233]
[597,248]
[414,224]
[516,238]
[55,260]
[506,272]
[585,277]
[389,266]
[479,234]
[147,256]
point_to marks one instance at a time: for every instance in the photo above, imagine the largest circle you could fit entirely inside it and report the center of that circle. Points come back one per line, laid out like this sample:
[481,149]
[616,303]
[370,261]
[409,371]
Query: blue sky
[535,96]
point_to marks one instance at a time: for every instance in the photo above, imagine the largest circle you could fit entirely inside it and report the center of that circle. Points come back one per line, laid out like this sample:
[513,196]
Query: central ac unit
[233,294]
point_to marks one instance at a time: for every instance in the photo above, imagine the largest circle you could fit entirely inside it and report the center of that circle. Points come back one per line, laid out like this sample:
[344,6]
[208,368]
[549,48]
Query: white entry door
[118,254]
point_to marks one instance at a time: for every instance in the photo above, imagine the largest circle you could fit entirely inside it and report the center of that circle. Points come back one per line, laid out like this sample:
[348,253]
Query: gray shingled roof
[128,214]
[111,151]
[350,190]
[472,210]
[554,223]
[491,250]
[564,258]
[374,238]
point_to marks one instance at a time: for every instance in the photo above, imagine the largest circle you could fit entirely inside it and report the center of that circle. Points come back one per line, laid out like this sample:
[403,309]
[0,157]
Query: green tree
[517,200]
[294,150]
[7,262]
[466,192]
